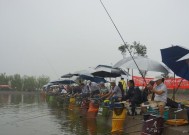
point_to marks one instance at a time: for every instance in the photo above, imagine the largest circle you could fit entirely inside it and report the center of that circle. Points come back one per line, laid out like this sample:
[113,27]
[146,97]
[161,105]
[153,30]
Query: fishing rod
[122,40]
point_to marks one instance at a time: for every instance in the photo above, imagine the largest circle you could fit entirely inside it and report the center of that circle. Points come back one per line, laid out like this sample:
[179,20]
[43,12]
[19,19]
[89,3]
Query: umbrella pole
[180,83]
[127,83]
[178,86]
[132,73]
[173,97]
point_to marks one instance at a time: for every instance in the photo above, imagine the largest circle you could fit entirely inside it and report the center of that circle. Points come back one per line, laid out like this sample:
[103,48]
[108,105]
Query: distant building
[5,87]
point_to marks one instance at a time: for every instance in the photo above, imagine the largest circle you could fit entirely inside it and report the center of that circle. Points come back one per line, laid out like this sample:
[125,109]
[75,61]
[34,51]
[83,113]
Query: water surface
[31,114]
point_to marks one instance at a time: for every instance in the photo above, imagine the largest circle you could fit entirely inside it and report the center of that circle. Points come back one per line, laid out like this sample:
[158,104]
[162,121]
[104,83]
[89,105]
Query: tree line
[23,83]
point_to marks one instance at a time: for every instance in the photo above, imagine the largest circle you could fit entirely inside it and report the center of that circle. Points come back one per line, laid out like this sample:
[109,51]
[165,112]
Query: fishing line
[28,118]
[25,109]
[122,40]
[25,119]
[52,67]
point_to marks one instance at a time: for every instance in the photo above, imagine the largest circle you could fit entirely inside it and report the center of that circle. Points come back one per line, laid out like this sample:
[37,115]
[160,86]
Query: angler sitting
[94,88]
[103,89]
[160,91]
[133,96]
[85,92]
[115,93]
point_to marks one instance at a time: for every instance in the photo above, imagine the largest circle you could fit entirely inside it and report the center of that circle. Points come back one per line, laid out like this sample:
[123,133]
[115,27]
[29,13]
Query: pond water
[36,114]
[31,114]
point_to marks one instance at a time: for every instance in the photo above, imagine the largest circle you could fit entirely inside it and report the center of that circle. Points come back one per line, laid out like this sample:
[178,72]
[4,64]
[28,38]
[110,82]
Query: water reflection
[8,98]
[35,113]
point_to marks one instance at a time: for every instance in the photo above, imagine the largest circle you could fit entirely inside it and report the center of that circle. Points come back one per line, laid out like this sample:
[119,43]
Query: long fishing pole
[122,39]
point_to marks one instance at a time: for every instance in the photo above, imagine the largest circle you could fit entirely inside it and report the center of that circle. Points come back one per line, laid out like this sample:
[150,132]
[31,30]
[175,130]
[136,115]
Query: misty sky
[55,37]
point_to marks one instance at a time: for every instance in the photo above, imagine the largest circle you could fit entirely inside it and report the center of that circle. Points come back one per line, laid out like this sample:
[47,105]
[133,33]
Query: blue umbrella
[170,57]
[98,79]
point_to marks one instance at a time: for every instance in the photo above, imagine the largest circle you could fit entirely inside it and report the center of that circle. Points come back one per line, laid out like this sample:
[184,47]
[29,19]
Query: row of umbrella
[98,73]
[175,58]
[118,69]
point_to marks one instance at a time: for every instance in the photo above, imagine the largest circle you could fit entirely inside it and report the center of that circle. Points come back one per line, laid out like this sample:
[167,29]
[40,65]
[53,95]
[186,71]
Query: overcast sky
[55,37]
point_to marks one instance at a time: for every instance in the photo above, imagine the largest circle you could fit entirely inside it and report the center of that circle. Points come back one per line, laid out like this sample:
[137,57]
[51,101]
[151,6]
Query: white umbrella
[185,57]
[123,61]
[143,63]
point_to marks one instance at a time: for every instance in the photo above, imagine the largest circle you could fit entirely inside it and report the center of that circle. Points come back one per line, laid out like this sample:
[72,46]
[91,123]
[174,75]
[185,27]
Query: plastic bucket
[156,112]
[118,118]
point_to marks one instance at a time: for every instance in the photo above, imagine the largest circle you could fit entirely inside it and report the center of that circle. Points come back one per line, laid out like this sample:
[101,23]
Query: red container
[93,109]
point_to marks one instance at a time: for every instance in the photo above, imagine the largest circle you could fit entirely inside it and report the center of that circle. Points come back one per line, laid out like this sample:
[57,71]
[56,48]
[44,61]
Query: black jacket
[134,95]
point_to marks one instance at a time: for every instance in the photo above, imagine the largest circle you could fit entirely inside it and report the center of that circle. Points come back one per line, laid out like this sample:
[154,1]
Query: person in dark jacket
[133,96]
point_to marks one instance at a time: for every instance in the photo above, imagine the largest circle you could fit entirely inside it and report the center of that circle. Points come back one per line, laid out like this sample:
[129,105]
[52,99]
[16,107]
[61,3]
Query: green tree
[124,49]
[139,49]
[29,83]
[42,80]
[3,78]
[25,83]
[16,81]
[136,49]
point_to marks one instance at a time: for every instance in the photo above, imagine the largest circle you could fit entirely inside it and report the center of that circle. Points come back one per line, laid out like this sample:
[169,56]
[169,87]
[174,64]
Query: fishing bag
[153,125]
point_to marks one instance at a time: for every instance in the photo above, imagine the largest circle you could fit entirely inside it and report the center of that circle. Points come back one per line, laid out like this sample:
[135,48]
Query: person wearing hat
[160,91]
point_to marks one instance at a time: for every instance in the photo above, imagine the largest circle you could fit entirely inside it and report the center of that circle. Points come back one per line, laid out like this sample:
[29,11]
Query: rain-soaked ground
[31,114]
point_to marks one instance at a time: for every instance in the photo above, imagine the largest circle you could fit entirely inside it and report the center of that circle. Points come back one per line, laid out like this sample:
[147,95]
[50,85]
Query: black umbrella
[69,75]
[108,71]
[67,81]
